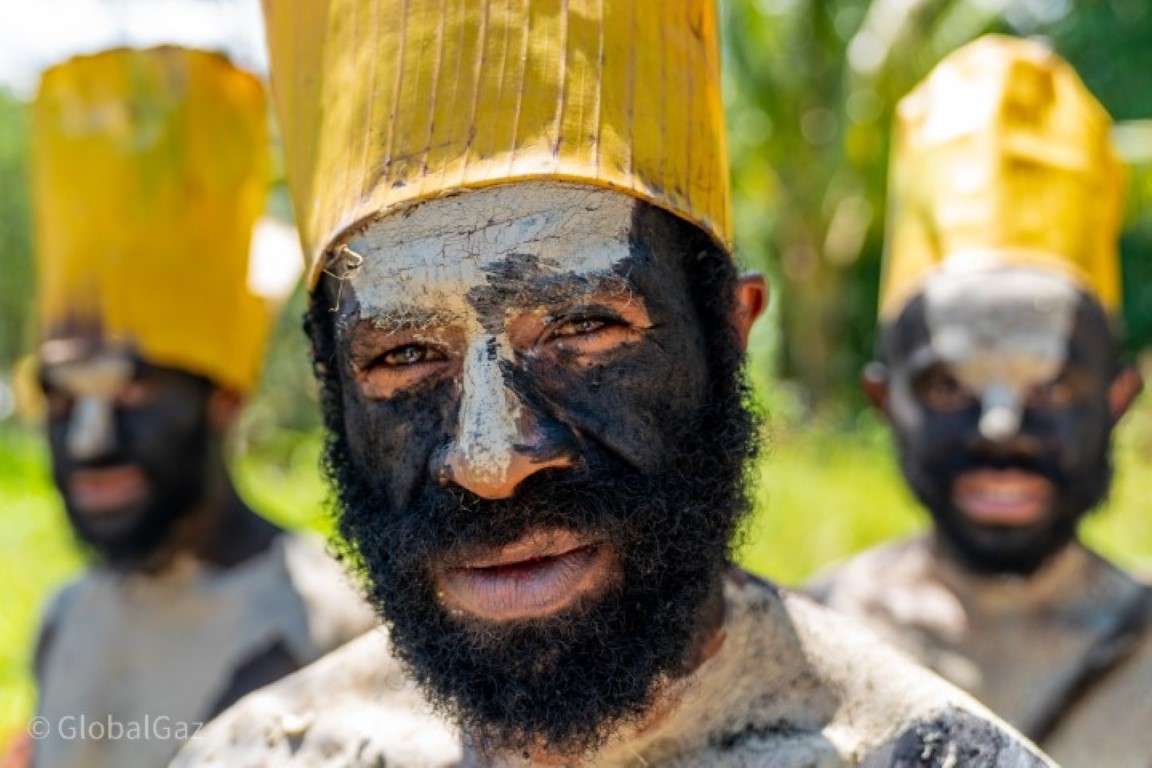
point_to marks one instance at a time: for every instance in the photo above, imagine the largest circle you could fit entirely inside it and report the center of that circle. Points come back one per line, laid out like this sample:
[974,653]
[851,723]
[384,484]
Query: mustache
[449,523]
[963,462]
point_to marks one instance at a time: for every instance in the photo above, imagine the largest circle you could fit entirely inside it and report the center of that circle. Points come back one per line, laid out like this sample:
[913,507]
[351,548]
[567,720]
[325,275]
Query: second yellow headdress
[385,103]
[1002,157]
[150,170]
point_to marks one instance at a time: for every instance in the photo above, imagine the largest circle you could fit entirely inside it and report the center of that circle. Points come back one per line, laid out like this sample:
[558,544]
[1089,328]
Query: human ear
[874,382]
[751,300]
[1123,390]
[223,407]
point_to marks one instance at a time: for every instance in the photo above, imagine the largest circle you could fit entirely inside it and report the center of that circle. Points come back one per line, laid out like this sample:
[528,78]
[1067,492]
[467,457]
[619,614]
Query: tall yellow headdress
[1002,157]
[385,103]
[150,170]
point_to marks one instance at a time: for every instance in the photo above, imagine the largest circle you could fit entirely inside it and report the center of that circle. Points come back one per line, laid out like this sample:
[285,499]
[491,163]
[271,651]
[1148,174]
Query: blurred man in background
[1002,379]
[150,172]
[529,333]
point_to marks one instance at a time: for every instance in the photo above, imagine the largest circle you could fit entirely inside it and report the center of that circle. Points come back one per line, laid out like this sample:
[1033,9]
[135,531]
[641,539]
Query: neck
[223,530]
[1054,580]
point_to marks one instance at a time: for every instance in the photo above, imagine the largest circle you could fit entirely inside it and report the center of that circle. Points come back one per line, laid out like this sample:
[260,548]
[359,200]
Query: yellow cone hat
[385,103]
[150,170]
[1002,157]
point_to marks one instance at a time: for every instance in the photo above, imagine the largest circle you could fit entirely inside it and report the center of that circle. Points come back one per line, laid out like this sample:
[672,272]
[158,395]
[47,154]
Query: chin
[1001,550]
[126,540]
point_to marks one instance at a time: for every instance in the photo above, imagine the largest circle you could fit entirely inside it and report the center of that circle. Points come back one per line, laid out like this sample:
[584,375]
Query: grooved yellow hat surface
[385,103]
[1002,157]
[150,169]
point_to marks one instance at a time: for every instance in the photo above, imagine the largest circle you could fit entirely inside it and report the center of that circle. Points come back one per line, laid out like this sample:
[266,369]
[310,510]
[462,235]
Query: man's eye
[1055,394]
[402,368]
[137,392]
[942,392]
[589,335]
[410,354]
[580,326]
[59,405]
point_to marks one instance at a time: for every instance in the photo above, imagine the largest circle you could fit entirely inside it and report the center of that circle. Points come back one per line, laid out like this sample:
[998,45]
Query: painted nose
[91,431]
[499,443]
[1000,413]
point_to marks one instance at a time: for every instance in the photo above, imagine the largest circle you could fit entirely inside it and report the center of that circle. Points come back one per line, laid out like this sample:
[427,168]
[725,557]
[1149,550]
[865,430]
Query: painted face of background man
[537,434]
[130,445]
[1002,393]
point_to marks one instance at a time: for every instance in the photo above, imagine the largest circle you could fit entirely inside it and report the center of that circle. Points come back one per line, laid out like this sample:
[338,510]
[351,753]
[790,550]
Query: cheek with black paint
[620,404]
[399,437]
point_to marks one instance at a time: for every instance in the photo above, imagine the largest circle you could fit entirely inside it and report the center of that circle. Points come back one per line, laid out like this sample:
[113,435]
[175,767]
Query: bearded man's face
[1009,445]
[131,444]
[538,439]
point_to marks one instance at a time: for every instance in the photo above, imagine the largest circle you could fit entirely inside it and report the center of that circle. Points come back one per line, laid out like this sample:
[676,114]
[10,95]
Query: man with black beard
[1001,377]
[149,179]
[529,332]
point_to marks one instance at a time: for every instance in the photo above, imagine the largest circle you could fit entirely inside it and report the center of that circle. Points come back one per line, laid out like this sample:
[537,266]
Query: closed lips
[1009,498]
[106,490]
[539,575]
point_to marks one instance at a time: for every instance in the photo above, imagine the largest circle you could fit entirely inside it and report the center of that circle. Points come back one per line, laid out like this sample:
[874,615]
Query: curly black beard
[565,682]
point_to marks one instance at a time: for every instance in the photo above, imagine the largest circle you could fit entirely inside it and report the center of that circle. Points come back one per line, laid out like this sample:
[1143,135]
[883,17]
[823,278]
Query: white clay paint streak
[1002,332]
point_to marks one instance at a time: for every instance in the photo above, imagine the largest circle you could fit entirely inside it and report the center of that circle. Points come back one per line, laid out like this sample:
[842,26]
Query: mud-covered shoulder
[955,738]
[335,609]
[351,708]
[860,578]
[893,712]
[53,612]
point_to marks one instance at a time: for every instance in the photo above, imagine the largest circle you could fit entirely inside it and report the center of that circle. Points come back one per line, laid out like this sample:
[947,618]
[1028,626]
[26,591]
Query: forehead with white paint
[1001,332]
[432,256]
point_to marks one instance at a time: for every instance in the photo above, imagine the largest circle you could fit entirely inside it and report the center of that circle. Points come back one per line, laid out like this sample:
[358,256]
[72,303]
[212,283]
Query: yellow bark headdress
[1002,158]
[385,103]
[150,170]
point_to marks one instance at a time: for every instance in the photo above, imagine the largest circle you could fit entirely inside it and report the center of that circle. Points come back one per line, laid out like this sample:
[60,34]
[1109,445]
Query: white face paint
[94,381]
[1002,332]
[425,262]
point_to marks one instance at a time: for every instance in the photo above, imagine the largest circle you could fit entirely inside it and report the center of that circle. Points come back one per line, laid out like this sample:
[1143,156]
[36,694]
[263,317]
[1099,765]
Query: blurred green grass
[823,492]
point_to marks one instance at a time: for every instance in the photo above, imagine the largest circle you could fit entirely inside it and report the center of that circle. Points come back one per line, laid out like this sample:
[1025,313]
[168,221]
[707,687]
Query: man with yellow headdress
[150,174]
[1001,376]
[529,333]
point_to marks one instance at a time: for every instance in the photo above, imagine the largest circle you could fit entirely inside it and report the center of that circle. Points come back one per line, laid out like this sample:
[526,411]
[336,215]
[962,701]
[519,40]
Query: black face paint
[160,431]
[1066,440]
[659,438]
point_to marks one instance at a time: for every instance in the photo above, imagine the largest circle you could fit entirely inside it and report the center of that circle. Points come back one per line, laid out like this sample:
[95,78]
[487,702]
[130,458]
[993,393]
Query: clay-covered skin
[580,359]
[126,490]
[1034,485]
